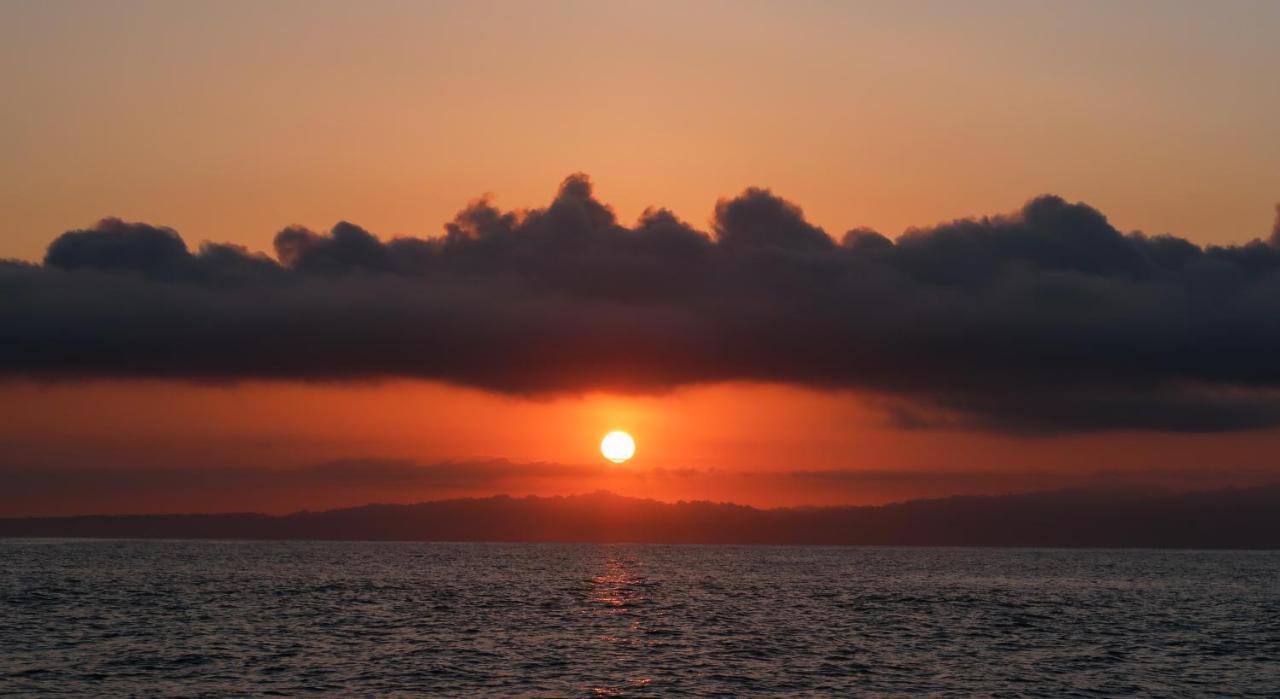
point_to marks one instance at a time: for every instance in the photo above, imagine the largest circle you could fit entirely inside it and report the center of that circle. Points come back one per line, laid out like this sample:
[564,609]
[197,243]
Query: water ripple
[118,618]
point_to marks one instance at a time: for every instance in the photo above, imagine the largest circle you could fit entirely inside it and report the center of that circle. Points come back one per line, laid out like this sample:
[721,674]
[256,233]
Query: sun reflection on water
[619,586]
[617,595]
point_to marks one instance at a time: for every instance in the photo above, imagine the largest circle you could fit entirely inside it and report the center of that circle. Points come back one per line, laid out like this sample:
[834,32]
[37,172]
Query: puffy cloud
[1044,320]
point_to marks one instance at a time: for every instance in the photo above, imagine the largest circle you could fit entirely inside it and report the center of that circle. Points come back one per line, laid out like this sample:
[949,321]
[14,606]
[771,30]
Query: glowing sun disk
[618,446]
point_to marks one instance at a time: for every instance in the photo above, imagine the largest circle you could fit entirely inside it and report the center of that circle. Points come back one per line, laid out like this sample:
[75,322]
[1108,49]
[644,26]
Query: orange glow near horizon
[752,444]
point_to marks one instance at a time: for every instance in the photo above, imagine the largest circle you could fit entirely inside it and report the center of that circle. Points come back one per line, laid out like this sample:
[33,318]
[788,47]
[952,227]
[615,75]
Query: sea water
[101,617]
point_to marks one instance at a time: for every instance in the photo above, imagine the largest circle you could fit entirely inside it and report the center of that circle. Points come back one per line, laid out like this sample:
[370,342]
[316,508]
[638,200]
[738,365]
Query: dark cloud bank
[1044,320]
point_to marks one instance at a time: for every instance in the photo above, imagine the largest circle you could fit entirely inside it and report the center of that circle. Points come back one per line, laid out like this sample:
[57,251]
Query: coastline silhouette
[1130,518]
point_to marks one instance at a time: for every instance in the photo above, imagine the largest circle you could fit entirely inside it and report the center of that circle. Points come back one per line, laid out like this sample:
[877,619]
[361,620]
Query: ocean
[218,618]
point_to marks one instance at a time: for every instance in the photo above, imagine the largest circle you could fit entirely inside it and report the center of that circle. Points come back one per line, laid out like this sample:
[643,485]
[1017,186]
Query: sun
[618,446]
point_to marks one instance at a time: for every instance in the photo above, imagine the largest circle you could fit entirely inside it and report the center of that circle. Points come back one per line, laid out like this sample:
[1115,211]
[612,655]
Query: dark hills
[1237,518]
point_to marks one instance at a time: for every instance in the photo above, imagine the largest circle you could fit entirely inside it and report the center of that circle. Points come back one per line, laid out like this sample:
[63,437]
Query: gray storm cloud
[1044,320]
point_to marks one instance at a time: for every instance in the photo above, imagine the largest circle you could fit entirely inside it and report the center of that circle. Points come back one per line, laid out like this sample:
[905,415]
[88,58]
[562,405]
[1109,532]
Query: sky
[757,352]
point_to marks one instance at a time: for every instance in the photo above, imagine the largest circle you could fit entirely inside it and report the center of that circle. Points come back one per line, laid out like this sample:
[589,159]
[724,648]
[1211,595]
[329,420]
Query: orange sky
[762,445]
[229,121]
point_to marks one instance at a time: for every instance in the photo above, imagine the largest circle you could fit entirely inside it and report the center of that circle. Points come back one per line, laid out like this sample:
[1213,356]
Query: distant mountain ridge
[1235,518]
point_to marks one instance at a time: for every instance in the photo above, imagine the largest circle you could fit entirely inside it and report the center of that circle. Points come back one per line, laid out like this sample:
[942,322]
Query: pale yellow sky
[230,120]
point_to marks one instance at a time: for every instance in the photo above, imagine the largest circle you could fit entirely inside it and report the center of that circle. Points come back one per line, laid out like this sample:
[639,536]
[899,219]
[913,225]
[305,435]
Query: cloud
[342,473]
[1044,320]
[91,487]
